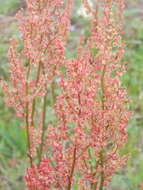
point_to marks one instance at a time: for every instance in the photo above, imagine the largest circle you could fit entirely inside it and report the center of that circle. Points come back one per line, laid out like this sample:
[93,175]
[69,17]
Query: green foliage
[12,140]
[12,157]
[8,6]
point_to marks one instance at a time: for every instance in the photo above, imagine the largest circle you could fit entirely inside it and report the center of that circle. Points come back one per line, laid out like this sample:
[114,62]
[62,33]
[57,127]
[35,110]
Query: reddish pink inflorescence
[81,148]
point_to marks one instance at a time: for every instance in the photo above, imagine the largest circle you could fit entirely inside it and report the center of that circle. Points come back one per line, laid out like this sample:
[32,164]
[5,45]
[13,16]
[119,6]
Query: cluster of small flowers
[44,28]
[82,148]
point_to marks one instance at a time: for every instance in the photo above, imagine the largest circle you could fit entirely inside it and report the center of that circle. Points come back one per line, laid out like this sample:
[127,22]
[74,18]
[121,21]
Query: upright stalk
[27,119]
[28,134]
[43,127]
[72,169]
[102,172]
[34,100]
[103,107]
[53,91]
[53,87]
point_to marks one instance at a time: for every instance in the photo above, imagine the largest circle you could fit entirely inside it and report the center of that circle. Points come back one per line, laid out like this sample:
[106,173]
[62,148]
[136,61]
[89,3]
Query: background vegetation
[12,137]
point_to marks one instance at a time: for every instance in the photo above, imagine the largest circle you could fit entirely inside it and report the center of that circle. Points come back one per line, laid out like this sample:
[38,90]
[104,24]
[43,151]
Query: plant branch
[27,118]
[43,127]
[72,169]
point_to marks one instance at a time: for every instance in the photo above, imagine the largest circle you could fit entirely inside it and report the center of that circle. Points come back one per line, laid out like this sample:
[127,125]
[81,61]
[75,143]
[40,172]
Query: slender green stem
[34,100]
[103,107]
[103,88]
[53,87]
[53,91]
[27,119]
[28,135]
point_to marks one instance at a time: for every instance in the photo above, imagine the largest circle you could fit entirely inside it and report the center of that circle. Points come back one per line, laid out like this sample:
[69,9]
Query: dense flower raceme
[82,147]
[44,30]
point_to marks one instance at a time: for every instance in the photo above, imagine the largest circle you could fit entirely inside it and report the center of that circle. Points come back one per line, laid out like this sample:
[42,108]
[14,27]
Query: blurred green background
[12,137]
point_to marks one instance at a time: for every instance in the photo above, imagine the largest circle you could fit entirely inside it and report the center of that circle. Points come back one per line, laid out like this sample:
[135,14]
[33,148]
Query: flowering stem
[94,185]
[27,119]
[43,127]
[53,92]
[34,100]
[102,172]
[28,134]
[53,86]
[103,106]
[72,169]
[103,88]
[83,151]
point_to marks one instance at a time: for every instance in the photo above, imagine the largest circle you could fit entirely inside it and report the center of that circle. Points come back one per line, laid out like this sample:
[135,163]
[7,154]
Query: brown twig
[72,169]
